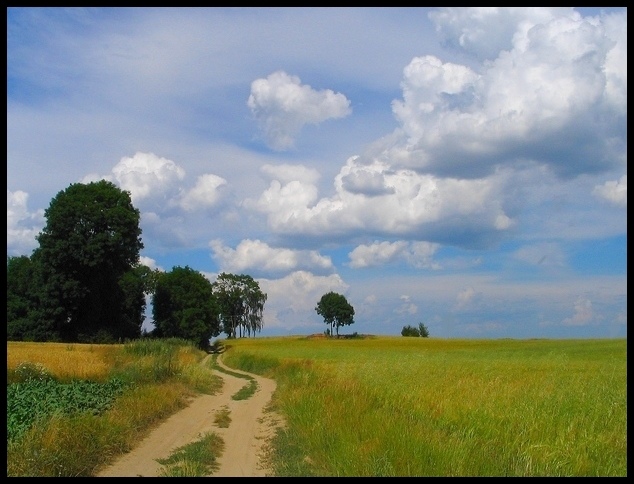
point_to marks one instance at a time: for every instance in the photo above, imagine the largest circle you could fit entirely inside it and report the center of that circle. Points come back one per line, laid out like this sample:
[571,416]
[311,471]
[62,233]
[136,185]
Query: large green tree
[241,304]
[183,306]
[336,311]
[24,321]
[91,240]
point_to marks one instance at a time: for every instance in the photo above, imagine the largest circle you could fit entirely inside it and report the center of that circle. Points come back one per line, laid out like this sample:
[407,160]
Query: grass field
[428,407]
[375,406]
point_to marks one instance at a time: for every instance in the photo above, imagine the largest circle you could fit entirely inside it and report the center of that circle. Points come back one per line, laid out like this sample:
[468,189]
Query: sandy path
[245,438]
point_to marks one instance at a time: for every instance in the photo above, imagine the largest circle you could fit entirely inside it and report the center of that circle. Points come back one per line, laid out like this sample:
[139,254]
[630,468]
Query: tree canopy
[184,307]
[241,304]
[90,241]
[24,293]
[336,311]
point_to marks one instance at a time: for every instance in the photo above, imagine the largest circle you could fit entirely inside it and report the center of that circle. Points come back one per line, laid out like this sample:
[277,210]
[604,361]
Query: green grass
[428,407]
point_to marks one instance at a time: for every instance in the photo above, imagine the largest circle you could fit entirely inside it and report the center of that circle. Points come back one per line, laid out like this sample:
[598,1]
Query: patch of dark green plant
[246,391]
[36,398]
[197,459]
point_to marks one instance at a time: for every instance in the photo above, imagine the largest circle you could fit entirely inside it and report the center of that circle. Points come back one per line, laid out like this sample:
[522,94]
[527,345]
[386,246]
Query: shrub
[410,330]
[28,372]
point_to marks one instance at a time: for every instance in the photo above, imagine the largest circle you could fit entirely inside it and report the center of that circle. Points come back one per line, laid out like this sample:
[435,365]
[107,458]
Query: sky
[464,168]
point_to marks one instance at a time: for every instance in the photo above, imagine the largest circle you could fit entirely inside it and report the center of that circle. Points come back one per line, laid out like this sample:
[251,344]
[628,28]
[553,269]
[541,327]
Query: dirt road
[245,438]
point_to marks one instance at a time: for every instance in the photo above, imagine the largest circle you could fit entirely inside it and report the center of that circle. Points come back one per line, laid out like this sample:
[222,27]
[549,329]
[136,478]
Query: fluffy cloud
[417,254]
[485,31]
[377,253]
[415,204]
[146,175]
[282,106]
[544,103]
[205,193]
[369,180]
[547,95]
[255,255]
[151,263]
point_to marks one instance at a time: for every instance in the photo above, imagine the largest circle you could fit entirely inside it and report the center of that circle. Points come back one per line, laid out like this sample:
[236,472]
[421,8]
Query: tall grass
[428,407]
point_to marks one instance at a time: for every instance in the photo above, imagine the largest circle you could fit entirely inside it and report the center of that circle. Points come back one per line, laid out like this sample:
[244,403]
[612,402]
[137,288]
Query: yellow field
[64,360]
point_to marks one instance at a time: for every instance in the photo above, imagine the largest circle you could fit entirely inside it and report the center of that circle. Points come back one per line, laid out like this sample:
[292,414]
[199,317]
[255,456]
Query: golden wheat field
[66,361]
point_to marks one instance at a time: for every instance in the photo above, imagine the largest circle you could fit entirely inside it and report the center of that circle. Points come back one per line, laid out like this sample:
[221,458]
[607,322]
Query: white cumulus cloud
[413,204]
[547,94]
[257,255]
[147,175]
[282,106]
[416,254]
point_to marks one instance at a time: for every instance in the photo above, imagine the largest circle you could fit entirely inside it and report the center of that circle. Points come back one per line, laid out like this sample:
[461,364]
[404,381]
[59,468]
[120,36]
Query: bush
[410,330]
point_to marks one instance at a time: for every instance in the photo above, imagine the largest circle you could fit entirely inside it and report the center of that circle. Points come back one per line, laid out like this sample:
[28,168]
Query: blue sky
[461,167]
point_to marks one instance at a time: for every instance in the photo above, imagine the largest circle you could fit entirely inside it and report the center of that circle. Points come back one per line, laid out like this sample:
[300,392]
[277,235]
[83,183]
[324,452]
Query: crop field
[66,361]
[389,406]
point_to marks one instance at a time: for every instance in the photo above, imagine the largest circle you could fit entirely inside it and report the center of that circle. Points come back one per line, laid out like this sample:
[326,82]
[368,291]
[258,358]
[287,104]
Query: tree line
[84,282]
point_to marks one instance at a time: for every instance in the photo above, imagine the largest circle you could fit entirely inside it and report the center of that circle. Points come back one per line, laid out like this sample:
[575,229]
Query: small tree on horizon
[336,311]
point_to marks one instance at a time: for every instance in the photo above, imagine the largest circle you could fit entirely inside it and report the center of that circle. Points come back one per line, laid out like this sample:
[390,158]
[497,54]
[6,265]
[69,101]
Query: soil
[246,438]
